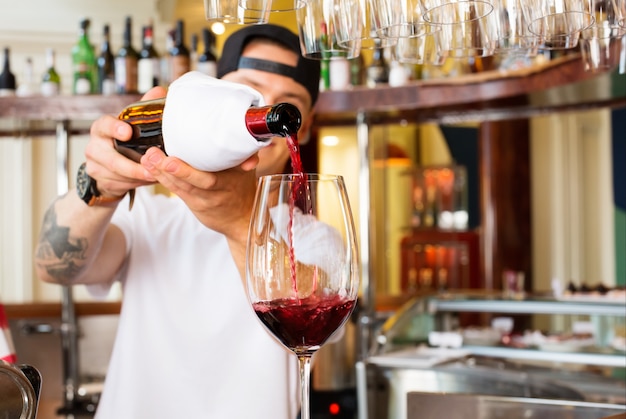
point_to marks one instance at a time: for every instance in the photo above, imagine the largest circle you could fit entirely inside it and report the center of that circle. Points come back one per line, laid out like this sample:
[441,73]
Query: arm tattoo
[57,252]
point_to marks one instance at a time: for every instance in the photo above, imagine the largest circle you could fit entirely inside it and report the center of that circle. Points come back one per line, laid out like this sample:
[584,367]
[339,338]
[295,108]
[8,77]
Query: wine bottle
[193,52]
[207,61]
[126,62]
[27,87]
[7,78]
[378,69]
[84,62]
[106,65]
[146,117]
[166,59]
[325,62]
[51,81]
[181,57]
[148,67]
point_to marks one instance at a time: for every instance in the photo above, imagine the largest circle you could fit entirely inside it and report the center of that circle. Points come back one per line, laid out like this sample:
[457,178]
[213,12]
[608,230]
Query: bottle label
[81,67]
[180,66]
[49,88]
[7,92]
[82,86]
[209,68]
[126,74]
[148,74]
[108,87]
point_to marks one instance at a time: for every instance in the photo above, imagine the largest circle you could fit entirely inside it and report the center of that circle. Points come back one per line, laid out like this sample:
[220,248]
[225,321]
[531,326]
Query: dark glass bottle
[146,118]
[8,84]
[126,62]
[181,57]
[378,69]
[193,52]
[149,62]
[207,61]
[106,65]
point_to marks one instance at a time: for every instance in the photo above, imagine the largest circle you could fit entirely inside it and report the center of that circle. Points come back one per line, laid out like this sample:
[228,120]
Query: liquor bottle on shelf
[50,81]
[106,65]
[378,69]
[325,62]
[166,59]
[398,74]
[126,62]
[339,74]
[193,52]
[181,60]
[84,62]
[356,71]
[207,61]
[7,78]
[27,86]
[262,123]
[149,62]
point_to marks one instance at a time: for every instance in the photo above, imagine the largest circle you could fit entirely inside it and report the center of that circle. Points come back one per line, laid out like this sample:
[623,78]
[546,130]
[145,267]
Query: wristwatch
[88,190]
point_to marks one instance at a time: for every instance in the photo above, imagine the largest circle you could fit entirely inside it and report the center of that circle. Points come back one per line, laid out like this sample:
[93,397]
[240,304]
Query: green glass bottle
[50,82]
[84,62]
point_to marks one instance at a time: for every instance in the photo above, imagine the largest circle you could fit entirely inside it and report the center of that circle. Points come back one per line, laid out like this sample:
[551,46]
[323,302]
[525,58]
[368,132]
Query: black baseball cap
[307,71]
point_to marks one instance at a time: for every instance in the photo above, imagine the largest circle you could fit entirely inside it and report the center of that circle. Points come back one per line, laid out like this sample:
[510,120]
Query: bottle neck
[179,35]
[50,59]
[7,62]
[128,34]
[282,119]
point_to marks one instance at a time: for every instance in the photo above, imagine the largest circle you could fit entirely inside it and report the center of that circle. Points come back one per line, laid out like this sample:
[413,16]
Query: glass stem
[305,378]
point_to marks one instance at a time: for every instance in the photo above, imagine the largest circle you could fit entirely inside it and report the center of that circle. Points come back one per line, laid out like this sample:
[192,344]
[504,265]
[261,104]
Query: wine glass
[302,263]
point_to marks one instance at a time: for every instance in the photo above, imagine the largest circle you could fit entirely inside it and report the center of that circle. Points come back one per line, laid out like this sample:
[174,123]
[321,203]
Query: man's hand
[222,200]
[114,173]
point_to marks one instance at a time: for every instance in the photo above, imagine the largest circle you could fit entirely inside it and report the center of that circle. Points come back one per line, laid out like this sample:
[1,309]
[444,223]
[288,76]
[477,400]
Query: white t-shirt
[188,343]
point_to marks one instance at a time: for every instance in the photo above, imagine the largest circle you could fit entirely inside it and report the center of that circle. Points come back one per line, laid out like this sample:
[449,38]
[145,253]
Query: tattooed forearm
[59,254]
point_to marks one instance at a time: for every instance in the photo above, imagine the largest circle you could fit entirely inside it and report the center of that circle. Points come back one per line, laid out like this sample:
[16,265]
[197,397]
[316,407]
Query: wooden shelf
[478,96]
[63,108]
[34,310]
[490,95]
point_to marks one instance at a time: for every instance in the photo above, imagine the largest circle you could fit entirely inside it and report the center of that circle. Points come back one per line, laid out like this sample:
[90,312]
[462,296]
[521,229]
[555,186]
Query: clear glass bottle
[106,65]
[84,62]
[27,87]
[126,62]
[146,117]
[166,59]
[51,81]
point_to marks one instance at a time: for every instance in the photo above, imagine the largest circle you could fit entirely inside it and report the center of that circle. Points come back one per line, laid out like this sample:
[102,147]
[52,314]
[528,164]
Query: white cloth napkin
[204,122]
[314,242]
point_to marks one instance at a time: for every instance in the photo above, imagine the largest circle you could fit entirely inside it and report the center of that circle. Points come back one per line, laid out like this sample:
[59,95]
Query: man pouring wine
[188,343]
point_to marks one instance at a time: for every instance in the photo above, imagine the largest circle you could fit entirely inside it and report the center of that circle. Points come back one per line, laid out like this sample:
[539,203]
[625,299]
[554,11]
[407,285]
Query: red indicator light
[334,408]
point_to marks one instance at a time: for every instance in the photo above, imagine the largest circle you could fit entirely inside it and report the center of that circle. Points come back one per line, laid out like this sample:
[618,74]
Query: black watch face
[83,184]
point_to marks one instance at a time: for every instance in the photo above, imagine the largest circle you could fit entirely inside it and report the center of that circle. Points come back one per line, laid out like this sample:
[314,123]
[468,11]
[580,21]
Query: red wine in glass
[303,325]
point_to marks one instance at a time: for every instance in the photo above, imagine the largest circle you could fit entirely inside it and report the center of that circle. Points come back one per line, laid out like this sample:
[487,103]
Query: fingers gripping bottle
[209,123]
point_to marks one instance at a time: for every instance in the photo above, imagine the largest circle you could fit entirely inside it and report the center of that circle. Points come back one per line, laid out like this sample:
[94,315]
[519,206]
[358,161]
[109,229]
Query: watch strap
[100,200]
